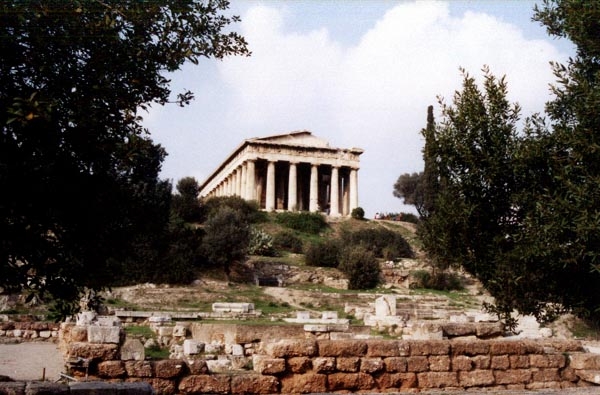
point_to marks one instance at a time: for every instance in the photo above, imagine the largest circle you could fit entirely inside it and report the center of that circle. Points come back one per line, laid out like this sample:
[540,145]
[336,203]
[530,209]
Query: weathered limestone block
[429,347]
[519,361]
[138,368]
[590,376]
[45,334]
[299,364]
[102,352]
[265,365]
[395,364]
[547,361]
[371,365]
[476,378]
[111,369]
[513,376]
[104,334]
[564,345]
[350,382]
[460,347]
[324,364]
[454,329]
[462,363]
[133,350]
[439,363]
[254,384]
[585,361]
[489,329]
[508,347]
[437,379]
[192,347]
[205,384]
[197,366]
[388,348]
[544,385]
[342,348]
[500,362]
[168,368]
[214,348]
[348,364]
[481,361]
[303,383]
[402,381]
[569,374]
[164,331]
[219,365]
[179,331]
[545,375]
[417,364]
[292,348]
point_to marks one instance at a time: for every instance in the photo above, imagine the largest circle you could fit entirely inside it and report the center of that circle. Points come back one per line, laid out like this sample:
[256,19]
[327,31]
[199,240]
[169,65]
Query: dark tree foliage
[407,187]
[361,268]
[249,210]
[382,242]
[78,172]
[185,203]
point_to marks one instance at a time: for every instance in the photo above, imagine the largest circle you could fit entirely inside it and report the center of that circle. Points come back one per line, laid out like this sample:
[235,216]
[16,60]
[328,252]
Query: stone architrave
[291,172]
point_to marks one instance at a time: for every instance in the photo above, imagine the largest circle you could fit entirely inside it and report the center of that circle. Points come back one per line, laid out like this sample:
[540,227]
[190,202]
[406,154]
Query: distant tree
[185,204]
[408,187]
[227,238]
[360,266]
[78,171]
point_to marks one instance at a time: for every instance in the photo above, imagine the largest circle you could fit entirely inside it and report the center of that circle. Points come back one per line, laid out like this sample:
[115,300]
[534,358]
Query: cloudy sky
[358,73]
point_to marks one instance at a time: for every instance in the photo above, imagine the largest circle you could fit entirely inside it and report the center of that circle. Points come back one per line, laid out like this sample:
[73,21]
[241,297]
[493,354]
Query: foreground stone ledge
[205,384]
[292,348]
[342,348]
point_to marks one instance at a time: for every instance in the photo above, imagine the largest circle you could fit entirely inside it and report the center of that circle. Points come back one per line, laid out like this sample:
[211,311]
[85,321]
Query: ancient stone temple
[295,171]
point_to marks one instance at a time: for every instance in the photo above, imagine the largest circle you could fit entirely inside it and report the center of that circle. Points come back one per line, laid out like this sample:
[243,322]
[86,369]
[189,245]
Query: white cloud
[373,94]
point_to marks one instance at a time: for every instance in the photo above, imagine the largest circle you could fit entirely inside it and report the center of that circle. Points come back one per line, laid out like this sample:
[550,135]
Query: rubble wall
[33,330]
[329,366]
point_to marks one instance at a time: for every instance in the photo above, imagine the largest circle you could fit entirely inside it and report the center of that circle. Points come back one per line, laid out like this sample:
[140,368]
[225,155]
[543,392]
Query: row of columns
[242,182]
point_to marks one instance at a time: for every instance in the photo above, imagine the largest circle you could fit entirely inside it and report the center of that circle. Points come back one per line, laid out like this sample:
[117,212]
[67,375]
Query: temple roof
[300,138]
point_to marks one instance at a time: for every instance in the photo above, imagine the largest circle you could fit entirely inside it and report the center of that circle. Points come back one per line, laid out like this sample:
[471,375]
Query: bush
[312,223]
[358,213]
[323,254]
[382,242]
[360,267]
[288,241]
[261,243]
[409,217]
[441,280]
[248,209]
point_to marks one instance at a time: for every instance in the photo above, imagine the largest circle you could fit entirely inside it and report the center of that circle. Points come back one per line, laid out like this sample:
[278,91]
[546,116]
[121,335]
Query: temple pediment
[301,138]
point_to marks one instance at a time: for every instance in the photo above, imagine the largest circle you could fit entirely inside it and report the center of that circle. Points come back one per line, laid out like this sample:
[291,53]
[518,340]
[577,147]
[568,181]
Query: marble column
[270,194]
[250,180]
[243,188]
[238,181]
[334,208]
[313,202]
[353,189]
[293,188]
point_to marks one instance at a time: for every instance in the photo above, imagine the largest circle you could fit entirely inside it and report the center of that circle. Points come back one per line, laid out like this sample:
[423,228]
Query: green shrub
[382,242]
[323,254]
[261,243]
[360,267]
[312,223]
[440,280]
[248,209]
[288,241]
[358,213]
[409,217]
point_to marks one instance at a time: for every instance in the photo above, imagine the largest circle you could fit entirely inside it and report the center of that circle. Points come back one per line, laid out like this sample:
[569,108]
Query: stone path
[26,361]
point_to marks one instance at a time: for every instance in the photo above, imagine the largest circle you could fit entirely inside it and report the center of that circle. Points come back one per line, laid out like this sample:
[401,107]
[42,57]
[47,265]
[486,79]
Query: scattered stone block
[132,350]
[590,376]
[192,347]
[104,334]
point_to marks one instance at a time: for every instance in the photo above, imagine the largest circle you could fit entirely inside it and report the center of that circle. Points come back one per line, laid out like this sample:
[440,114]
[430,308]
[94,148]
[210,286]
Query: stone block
[299,364]
[481,361]
[395,364]
[138,368]
[350,382]
[205,384]
[347,364]
[254,384]
[164,331]
[545,375]
[265,365]
[590,376]
[304,383]
[437,379]
[159,319]
[585,361]
[476,378]
[500,362]
[100,352]
[45,334]
[329,315]
[133,350]
[544,385]
[460,347]
[432,347]
[85,318]
[104,334]
[489,329]
[452,329]
[508,347]
[385,306]
[519,361]
[371,365]
[439,363]
[78,333]
[462,363]
[568,374]
[388,348]
[417,364]
[342,348]
[401,381]
[547,361]
[46,388]
[197,366]
[180,331]
[219,365]
[168,368]
[292,348]
[107,320]
[111,369]
[191,347]
[214,348]
[160,386]
[513,376]
[427,331]
[324,364]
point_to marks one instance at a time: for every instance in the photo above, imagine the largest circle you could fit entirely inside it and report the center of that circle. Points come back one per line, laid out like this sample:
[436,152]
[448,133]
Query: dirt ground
[27,361]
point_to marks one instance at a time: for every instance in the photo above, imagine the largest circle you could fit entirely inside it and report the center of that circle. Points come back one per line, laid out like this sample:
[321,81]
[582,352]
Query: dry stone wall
[33,330]
[319,366]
